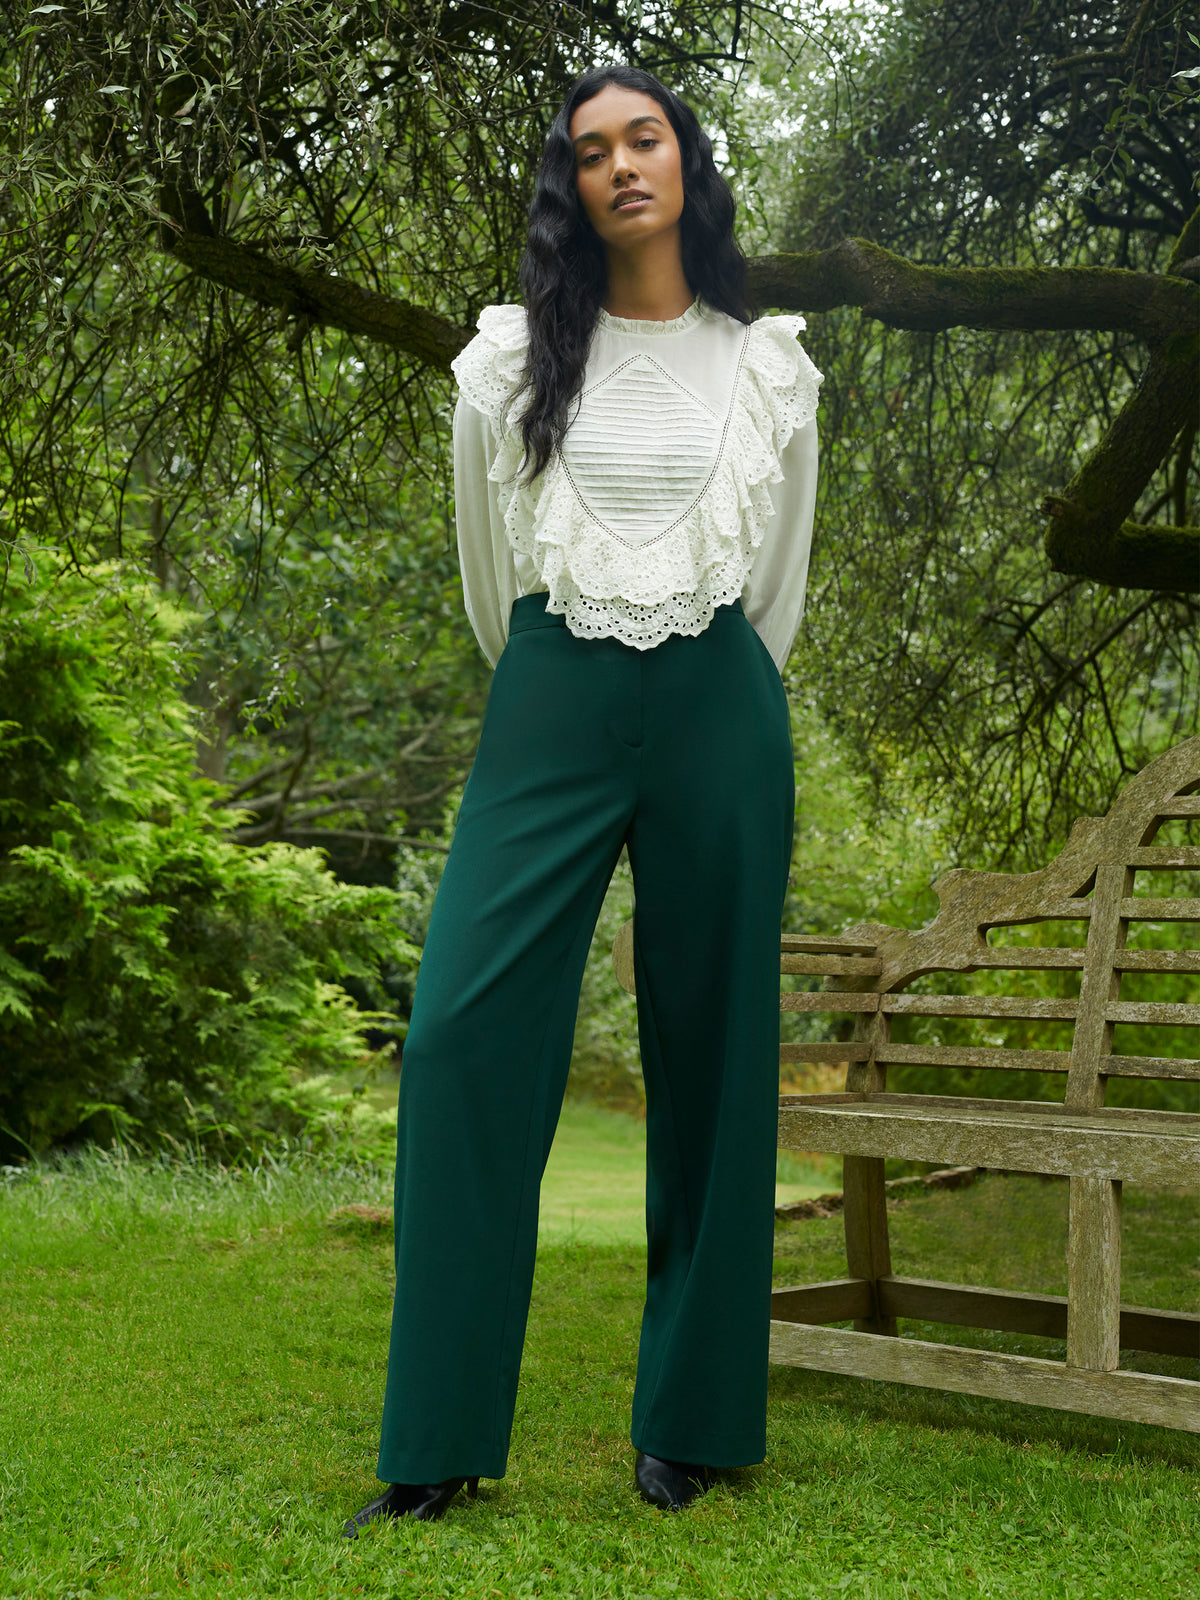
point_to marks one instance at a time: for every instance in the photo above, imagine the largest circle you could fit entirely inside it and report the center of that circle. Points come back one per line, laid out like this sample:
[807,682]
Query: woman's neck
[648,284]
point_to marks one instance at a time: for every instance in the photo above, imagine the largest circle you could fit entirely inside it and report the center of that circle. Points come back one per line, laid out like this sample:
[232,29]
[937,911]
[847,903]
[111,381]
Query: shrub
[155,977]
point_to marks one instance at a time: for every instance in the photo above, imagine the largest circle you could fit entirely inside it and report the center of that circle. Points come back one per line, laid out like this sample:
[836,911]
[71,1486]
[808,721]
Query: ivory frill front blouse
[686,480]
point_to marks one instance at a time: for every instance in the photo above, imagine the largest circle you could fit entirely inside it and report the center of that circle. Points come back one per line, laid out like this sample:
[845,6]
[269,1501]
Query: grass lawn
[192,1370]
[594,1188]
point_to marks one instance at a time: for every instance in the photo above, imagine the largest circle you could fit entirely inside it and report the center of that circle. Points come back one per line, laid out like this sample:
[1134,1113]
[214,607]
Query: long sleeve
[773,598]
[489,576]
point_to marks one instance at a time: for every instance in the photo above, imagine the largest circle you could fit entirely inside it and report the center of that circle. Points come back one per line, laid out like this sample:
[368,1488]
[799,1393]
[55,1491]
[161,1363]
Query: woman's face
[627,166]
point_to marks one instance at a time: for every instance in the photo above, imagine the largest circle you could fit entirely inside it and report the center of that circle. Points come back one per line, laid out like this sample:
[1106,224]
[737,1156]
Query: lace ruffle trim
[490,368]
[673,584]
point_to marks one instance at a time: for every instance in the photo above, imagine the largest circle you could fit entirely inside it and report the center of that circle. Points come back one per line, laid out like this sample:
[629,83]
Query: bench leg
[1094,1275]
[868,1253]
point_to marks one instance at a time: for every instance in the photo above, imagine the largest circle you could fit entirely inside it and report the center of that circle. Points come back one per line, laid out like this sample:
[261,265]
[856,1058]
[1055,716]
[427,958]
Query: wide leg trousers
[682,753]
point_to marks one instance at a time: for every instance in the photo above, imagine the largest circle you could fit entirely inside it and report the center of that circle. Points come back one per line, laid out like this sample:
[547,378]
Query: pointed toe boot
[670,1484]
[423,1501]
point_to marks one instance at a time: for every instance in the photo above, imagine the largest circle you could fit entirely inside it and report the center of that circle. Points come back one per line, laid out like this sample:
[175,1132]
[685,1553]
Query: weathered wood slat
[1117,1117]
[975,1005]
[1026,957]
[864,1190]
[998,1058]
[1142,908]
[838,1300]
[1151,1067]
[848,1097]
[1067,909]
[1164,857]
[829,1000]
[831,966]
[1099,986]
[815,944]
[1130,1396]
[1157,961]
[1036,958]
[1021,1142]
[622,957]
[865,1224]
[1156,1011]
[989,1057]
[1166,1333]
[840,1050]
[1175,1333]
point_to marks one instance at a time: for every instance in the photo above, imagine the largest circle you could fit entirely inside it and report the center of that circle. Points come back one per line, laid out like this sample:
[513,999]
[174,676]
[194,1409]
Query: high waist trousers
[682,753]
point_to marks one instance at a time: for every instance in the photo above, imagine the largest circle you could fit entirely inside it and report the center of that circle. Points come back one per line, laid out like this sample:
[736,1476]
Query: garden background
[239,244]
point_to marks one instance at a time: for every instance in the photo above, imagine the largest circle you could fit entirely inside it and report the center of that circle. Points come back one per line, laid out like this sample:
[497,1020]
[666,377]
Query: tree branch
[1107,58]
[928,299]
[1089,532]
[321,297]
[268,802]
[856,272]
[308,837]
[1099,218]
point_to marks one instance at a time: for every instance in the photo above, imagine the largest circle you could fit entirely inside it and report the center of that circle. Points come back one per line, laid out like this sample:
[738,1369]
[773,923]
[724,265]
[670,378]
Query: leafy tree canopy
[240,242]
[1048,136]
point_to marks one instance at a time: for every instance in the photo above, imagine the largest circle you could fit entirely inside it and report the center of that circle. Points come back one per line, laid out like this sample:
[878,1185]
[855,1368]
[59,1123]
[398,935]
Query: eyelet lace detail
[489,370]
[641,594]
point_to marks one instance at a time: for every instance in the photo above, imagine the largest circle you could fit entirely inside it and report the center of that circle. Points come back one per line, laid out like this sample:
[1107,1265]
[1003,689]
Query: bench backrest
[1093,881]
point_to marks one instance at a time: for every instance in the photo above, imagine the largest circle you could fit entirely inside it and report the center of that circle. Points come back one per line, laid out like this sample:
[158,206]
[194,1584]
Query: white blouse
[686,480]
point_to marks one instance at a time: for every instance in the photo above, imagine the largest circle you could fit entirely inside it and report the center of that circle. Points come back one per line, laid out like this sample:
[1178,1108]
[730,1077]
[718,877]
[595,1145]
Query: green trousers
[682,753]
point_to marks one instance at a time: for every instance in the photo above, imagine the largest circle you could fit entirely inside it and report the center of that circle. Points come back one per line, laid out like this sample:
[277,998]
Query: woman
[635,466]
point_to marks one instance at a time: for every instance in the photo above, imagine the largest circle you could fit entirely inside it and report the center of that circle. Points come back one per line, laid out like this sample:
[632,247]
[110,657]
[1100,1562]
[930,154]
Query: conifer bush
[157,980]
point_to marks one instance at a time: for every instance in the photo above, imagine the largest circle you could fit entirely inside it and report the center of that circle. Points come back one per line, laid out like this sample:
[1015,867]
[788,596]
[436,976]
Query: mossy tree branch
[927,299]
[320,297]
[1089,532]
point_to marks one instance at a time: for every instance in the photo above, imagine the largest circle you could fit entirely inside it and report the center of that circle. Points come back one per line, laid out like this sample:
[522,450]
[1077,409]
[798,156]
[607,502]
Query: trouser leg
[710,847]
[485,1062]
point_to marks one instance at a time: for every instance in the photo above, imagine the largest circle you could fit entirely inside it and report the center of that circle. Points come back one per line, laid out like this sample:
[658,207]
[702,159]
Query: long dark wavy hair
[564,277]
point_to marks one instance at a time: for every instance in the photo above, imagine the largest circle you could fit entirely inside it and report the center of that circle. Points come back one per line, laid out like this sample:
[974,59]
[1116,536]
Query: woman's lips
[626,200]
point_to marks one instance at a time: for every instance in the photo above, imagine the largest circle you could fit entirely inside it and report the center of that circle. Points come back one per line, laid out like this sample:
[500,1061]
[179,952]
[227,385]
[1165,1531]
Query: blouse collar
[647,328]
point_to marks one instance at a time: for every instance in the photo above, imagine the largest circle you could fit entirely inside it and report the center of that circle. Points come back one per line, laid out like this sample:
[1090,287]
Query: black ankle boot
[424,1501]
[670,1484]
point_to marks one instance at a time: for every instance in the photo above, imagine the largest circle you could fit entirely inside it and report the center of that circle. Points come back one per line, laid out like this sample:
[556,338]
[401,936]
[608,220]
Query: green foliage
[288,482]
[957,668]
[342,697]
[156,979]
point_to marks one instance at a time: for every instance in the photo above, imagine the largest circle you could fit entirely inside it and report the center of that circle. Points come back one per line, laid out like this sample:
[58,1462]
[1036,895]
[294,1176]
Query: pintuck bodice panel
[641,451]
[654,509]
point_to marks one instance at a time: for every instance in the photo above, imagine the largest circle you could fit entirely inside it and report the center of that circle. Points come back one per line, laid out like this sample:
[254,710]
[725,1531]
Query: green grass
[594,1188]
[192,1368]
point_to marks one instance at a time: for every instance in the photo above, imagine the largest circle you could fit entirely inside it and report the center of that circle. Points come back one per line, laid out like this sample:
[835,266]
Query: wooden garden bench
[869,974]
